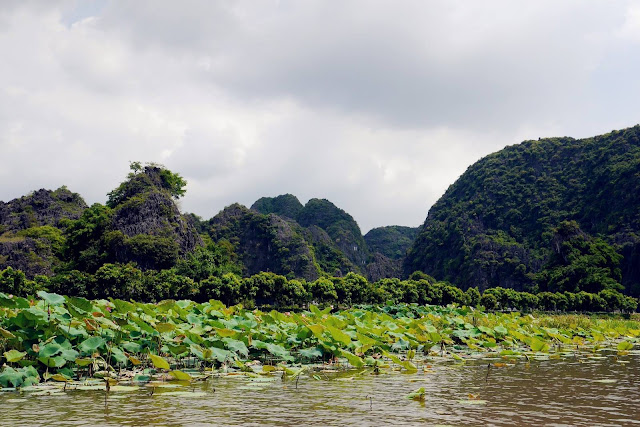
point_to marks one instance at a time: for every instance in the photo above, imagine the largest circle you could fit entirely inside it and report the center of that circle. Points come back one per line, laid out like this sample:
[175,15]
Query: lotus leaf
[51,299]
[181,376]
[50,349]
[14,355]
[159,362]
[91,344]
[6,334]
[165,327]
[354,360]
[625,346]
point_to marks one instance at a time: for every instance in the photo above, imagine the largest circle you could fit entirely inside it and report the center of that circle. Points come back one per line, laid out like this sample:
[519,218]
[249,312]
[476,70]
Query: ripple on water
[551,392]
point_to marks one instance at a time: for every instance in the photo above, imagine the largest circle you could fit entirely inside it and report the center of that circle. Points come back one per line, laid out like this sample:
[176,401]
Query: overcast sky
[377,106]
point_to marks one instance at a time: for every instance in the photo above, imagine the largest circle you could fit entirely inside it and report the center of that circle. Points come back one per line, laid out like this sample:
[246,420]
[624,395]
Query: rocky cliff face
[154,213]
[154,232]
[265,242]
[140,223]
[30,239]
[42,207]
[339,225]
[285,205]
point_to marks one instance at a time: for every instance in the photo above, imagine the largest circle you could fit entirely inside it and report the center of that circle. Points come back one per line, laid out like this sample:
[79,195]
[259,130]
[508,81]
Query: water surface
[572,391]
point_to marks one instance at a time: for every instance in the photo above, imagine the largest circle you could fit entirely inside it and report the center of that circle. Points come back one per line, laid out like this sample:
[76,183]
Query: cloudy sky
[377,106]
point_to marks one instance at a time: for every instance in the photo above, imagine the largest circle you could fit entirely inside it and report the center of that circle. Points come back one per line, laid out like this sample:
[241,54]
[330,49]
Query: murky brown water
[572,392]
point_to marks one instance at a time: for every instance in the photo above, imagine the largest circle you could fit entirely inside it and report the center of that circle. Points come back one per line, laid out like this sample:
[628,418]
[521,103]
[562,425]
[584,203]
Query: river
[583,390]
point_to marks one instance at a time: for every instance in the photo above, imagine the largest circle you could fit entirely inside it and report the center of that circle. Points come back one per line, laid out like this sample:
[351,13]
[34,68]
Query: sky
[377,106]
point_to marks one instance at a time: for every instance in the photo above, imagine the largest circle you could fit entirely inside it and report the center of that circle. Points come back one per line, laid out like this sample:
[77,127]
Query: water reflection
[571,392]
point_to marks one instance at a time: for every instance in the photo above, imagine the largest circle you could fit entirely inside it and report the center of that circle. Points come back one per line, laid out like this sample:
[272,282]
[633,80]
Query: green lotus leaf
[219,354]
[278,351]
[91,344]
[236,346]
[6,334]
[404,363]
[53,362]
[354,360]
[339,336]
[119,356]
[123,306]
[52,299]
[10,376]
[69,355]
[83,362]
[14,355]
[311,353]
[501,330]
[624,346]
[181,376]
[50,349]
[177,349]
[131,347]
[159,362]
[165,327]
[317,331]
[418,394]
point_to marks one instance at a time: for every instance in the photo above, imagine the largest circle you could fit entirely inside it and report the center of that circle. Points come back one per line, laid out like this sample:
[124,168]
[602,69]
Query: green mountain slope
[264,242]
[30,237]
[392,241]
[495,225]
[140,223]
[332,233]
[285,205]
[339,225]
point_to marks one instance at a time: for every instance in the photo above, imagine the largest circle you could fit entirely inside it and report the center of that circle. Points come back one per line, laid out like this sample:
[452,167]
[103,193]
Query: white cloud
[374,105]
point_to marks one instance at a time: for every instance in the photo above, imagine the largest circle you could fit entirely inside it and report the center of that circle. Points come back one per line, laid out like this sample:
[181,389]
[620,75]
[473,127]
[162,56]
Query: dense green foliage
[139,224]
[54,233]
[392,241]
[285,205]
[264,242]
[64,338]
[580,263]
[552,219]
[342,229]
[339,225]
[142,179]
[495,225]
[126,281]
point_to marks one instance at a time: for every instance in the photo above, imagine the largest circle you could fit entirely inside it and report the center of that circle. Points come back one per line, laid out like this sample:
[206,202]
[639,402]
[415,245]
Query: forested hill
[556,214]
[140,229]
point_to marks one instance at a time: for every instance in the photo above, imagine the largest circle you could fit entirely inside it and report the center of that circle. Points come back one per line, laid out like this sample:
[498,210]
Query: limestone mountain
[391,241]
[265,242]
[495,225]
[30,239]
[285,205]
[140,223]
[337,242]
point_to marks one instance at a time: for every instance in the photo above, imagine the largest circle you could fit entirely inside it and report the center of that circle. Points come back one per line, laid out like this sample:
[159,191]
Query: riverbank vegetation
[126,281]
[65,338]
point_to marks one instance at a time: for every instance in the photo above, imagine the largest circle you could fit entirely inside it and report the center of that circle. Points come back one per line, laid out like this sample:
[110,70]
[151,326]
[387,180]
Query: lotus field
[69,340]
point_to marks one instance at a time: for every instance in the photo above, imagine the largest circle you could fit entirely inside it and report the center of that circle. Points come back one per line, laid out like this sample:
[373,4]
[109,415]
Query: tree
[123,281]
[153,175]
[14,282]
[580,263]
[323,291]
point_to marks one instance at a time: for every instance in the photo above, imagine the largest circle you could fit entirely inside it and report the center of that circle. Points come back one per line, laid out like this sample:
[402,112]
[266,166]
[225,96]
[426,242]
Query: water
[574,391]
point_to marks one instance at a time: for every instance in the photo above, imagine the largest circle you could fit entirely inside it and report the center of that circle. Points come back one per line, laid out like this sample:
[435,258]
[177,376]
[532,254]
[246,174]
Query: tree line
[126,281]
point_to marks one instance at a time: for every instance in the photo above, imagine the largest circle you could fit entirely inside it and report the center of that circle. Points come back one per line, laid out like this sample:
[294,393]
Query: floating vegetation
[69,343]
